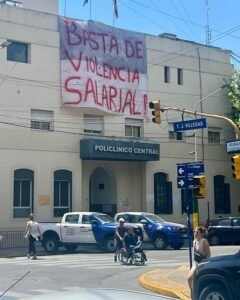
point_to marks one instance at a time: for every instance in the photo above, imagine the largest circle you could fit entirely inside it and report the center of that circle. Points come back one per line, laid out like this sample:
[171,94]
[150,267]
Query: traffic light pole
[235,127]
[237,131]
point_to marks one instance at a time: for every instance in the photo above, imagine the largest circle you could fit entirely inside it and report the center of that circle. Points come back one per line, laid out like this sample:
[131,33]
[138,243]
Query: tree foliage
[234,94]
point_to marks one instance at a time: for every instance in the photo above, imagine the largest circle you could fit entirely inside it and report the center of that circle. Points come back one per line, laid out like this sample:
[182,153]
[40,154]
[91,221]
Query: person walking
[32,233]
[119,235]
[201,251]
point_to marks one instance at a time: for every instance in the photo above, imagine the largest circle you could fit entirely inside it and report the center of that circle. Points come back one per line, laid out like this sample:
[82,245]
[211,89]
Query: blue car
[156,230]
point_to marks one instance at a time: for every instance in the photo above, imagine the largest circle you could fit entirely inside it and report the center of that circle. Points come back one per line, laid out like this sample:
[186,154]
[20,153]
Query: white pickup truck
[79,228]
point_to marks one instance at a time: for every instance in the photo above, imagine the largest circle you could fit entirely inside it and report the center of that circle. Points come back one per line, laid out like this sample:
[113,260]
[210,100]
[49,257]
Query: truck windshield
[154,218]
[104,218]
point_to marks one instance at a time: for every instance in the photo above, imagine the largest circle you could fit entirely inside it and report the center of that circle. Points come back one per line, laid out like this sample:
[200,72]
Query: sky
[215,22]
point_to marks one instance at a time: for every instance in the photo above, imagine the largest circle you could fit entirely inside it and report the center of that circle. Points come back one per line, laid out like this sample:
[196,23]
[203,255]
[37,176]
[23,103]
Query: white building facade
[58,157]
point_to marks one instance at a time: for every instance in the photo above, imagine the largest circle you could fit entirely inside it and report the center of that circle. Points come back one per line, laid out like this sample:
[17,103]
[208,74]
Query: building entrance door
[103,192]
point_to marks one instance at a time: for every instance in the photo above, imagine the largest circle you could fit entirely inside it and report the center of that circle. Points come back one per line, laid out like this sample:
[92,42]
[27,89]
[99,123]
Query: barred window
[42,120]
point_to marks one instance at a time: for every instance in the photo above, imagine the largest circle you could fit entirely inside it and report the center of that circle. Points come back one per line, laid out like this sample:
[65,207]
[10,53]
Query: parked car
[219,278]
[156,230]
[78,228]
[224,231]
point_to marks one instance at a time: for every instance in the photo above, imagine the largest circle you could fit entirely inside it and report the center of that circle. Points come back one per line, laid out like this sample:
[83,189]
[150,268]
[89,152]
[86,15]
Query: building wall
[203,71]
[47,6]
[37,86]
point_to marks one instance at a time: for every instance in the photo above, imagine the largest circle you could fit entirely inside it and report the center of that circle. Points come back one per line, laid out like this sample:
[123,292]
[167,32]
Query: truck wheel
[109,244]
[51,245]
[160,242]
[214,291]
[70,248]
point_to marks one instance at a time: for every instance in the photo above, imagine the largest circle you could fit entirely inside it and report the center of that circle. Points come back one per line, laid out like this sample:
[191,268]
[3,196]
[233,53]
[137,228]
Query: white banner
[103,67]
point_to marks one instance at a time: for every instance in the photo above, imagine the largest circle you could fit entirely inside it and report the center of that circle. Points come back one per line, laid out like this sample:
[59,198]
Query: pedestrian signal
[236,166]
[199,183]
[155,106]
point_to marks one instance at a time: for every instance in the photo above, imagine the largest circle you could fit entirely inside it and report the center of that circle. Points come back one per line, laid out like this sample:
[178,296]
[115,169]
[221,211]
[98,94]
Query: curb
[160,281]
[155,287]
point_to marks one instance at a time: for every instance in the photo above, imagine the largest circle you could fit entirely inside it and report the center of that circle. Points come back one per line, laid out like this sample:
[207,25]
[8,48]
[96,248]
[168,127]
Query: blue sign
[186,172]
[182,182]
[194,169]
[233,146]
[185,182]
[190,125]
[181,170]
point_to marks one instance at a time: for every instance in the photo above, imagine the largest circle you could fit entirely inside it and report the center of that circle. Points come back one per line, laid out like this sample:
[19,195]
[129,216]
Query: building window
[93,124]
[23,193]
[175,135]
[214,135]
[166,74]
[41,119]
[133,127]
[221,195]
[18,52]
[62,192]
[163,203]
[180,76]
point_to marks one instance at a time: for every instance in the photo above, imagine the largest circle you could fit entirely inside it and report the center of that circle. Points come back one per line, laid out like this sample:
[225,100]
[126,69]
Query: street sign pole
[186,191]
[185,176]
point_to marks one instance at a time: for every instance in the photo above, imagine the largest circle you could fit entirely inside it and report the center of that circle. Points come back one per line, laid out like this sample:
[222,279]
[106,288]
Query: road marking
[83,261]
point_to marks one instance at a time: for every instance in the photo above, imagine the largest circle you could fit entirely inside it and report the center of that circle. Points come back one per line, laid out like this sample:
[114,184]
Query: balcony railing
[12,3]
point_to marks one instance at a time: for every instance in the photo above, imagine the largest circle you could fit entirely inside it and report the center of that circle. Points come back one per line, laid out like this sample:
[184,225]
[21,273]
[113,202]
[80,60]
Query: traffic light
[155,105]
[236,166]
[199,183]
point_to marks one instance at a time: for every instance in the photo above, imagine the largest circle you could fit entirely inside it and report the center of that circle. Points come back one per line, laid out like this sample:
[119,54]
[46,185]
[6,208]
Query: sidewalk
[13,252]
[170,282]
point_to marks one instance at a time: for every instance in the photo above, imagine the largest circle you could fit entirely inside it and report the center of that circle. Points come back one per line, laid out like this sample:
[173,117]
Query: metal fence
[11,239]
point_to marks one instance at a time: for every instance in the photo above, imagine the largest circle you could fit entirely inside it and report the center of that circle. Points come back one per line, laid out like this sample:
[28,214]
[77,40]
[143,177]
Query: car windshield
[154,218]
[104,218]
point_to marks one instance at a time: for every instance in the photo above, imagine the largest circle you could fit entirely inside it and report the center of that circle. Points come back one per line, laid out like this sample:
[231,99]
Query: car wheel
[160,242]
[51,245]
[109,244]
[70,247]
[214,291]
[214,240]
